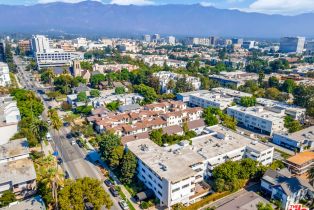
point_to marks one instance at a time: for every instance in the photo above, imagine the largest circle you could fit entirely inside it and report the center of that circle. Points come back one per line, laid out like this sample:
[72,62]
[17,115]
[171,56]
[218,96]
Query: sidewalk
[96,156]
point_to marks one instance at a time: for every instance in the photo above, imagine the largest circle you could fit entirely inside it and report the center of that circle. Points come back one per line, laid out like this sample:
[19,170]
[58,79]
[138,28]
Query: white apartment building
[80,42]
[217,97]
[47,56]
[4,75]
[165,76]
[9,118]
[236,78]
[258,118]
[300,140]
[171,40]
[159,171]
[296,112]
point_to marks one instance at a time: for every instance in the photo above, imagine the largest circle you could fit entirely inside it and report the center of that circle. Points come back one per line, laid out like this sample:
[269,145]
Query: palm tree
[40,129]
[50,75]
[56,122]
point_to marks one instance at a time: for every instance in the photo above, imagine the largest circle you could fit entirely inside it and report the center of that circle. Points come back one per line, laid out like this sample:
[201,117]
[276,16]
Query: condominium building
[218,97]
[9,118]
[17,172]
[292,44]
[171,40]
[158,166]
[24,45]
[236,78]
[299,141]
[296,112]
[147,38]
[258,118]
[4,75]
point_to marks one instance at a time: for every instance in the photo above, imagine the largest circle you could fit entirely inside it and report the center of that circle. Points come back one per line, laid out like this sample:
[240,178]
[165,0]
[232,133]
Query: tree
[291,124]
[147,92]
[273,82]
[272,93]
[119,90]
[76,193]
[262,206]
[63,83]
[128,167]
[6,198]
[94,93]
[107,143]
[56,122]
[154,83]
[96,79]
[113,106]
[116,156]
[82,97]
[288,86]
[209,117]
[39,129]
[171,84]
[156,136]
[261,77]
[86,65]
[47,76]
[247,101]
[83,110]
[183,86]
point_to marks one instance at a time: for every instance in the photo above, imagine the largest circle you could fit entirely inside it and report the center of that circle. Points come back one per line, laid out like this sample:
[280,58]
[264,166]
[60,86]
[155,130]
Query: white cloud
[206,4]
[134,2]
[66,1]
[288,7]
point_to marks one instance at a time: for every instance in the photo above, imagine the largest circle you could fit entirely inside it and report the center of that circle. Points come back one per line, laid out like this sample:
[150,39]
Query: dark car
[69,135]
[108,183]
[79,143]
[114,192]
[66,175]
[60,161]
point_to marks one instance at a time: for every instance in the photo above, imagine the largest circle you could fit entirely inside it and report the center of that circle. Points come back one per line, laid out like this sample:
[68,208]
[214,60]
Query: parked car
[73,142]
[66,175]
[79,143]
[108,183]
[123,204]
[48,136]
[69,135]
[114,192]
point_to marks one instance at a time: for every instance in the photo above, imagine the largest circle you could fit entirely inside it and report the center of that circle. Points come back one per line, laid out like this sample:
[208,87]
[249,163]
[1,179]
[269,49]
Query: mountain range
[92,17]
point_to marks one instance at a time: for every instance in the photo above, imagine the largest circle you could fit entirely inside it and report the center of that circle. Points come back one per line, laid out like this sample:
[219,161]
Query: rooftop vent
[144,147]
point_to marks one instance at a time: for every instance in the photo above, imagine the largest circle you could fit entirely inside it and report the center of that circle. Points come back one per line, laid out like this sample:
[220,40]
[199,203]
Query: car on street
[79,143]
[123,204]
[48,136]
[108,183]
[66,175]
[73,142]
[59,160]
[114,192]
[69,135]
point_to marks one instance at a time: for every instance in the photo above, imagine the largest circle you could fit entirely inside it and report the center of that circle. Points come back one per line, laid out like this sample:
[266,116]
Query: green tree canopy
[94,93]
[107,143]
[82,97]
[6,198]
[76,193]
[119,90]
[147,92]
[128,167]
[248,101]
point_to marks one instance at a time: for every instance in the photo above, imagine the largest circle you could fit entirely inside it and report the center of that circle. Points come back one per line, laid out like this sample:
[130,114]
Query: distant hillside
[96,18]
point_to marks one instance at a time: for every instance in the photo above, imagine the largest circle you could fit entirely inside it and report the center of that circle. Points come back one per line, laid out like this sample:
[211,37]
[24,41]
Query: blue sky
[287,7]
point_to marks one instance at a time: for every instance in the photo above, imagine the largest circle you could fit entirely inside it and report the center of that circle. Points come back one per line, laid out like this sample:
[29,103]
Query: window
[175,190]
[185,186]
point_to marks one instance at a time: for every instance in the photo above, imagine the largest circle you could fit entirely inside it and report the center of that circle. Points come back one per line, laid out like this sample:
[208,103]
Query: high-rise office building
[156,37]
[310,46]
[40,44]
[237,41]
[292,44]
[147,38]
[213,40]
[171,40]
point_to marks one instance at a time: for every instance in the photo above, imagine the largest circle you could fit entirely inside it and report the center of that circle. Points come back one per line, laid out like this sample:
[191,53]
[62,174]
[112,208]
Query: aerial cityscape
[155,104]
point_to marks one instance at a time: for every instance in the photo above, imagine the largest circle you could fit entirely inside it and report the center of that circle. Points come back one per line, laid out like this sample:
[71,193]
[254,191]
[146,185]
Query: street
[74,158]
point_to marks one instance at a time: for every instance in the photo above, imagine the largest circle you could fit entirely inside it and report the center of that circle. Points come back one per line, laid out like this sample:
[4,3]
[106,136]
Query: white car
[73,142]
[48,136]
[123,205]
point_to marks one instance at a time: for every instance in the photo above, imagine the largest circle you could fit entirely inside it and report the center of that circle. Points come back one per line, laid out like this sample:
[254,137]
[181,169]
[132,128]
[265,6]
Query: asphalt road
[74,158]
